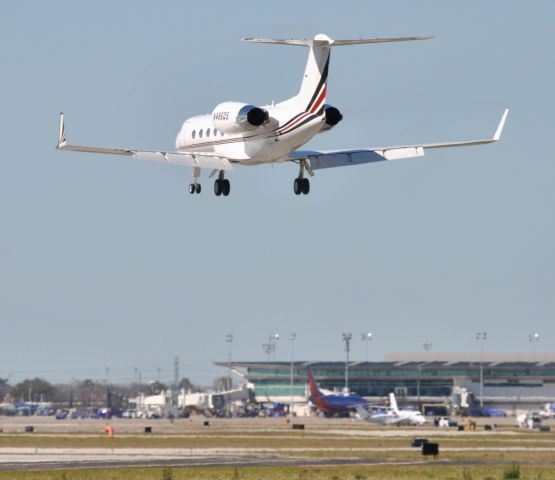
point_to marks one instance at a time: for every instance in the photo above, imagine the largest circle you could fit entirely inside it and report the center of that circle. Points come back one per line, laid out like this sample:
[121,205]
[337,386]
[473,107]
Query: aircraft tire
[306,186]
[298,186]
[198,188]
[226,187]
[218,187]
[192,188]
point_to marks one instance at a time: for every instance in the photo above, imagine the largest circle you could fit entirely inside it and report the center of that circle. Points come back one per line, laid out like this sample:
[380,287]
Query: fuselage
[400,417]
[334,404]
[286,130]
[337,403]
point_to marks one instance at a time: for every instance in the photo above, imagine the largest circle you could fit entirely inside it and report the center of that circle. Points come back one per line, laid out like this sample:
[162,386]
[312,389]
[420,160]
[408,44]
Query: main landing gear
[301,184]
[222,185]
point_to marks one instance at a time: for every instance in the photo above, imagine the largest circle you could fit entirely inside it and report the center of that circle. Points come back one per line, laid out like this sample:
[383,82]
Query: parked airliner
[238,133]
[332,404]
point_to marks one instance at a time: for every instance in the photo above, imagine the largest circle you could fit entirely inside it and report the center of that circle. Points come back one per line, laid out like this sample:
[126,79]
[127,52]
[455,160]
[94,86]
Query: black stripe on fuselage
[291,120]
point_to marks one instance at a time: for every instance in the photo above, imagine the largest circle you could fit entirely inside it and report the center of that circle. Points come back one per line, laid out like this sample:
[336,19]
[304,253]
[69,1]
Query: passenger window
[194,134]
[207,132]
[200,133]
[215,132]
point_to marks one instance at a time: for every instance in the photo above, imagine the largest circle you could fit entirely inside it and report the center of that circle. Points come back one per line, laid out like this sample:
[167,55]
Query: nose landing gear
[195,186]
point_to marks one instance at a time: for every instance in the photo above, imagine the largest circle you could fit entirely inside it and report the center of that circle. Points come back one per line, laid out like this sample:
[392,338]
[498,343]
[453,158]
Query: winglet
[61,132]
[497,135]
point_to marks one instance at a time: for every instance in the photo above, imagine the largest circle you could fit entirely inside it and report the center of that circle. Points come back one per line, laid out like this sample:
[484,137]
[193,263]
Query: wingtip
[501,125]
[61,132]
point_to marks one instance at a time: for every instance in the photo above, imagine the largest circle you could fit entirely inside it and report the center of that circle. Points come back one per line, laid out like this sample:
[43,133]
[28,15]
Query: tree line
[90,392]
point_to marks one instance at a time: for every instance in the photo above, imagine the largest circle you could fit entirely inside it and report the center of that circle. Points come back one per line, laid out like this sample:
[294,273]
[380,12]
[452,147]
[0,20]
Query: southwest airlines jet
[333,404]
[238,133]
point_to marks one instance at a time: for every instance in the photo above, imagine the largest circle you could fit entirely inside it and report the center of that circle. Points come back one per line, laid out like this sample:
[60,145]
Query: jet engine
[332,116]
[236,117]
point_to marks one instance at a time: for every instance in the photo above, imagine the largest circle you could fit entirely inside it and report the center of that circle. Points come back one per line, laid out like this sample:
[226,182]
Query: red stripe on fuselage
[294,123]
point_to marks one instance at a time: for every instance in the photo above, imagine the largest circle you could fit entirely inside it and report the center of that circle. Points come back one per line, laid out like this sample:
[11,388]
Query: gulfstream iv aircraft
[392,415]
[237,133]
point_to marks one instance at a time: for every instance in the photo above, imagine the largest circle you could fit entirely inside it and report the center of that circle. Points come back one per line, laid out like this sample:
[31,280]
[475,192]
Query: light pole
[481,337]
[427,346]
[366,337]
[229,340]
[273,338]
[292,337]
[267,347]
[107,370]
[534,338]
[270,347]
[347,337]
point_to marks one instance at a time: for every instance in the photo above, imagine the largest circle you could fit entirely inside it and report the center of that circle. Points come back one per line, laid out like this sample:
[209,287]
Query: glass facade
[428,379]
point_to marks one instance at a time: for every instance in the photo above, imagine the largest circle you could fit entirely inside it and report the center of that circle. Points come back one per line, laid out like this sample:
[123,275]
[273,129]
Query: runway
[75,458]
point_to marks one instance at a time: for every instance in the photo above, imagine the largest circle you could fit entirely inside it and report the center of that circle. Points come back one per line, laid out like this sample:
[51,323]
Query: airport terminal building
[509,382]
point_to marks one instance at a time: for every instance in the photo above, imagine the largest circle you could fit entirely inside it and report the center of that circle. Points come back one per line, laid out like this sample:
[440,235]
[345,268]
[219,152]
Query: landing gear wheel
[305,185]
[198,188]
[226,187]
[298,186]
[218,187]
[192,188]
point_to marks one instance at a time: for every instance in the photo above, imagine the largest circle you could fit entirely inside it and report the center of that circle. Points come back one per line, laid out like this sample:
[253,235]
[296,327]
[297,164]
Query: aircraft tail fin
[393,403]
[312,95]
[313,388]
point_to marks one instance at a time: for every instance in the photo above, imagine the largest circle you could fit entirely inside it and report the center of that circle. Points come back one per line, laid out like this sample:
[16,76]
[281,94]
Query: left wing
[190,159]
[342,158]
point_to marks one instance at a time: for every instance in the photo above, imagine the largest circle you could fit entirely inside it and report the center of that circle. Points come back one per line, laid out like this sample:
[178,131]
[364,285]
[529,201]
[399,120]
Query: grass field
[359,472]
[503,454]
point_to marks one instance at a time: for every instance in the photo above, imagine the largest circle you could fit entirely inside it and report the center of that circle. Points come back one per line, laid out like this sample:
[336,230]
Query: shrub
[512,472]
[466,475]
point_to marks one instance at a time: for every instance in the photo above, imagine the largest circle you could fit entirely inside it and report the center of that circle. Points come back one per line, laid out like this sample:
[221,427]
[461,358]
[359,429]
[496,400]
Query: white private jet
[392,415]
[240,133]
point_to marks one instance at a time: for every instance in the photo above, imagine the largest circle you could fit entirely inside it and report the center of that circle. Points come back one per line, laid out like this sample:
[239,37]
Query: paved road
[240,462]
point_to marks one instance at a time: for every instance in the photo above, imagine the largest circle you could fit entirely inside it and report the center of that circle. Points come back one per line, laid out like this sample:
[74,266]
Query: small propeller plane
[238,133]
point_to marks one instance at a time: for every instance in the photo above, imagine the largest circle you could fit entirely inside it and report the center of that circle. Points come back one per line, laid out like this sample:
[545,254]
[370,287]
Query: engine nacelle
[237,117]
[332,116]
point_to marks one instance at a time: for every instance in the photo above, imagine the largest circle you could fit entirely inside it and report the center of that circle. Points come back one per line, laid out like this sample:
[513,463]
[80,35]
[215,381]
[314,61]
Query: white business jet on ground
[240,133]
[392,415]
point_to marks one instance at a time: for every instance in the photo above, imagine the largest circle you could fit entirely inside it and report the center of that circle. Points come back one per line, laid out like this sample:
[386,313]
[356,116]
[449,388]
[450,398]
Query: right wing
[190,159]
[341,158]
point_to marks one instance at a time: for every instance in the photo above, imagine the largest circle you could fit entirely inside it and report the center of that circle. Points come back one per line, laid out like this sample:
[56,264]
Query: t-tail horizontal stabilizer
[324,40]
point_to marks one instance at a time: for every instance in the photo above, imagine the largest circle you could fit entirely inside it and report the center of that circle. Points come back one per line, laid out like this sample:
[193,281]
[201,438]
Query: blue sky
[108,261]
